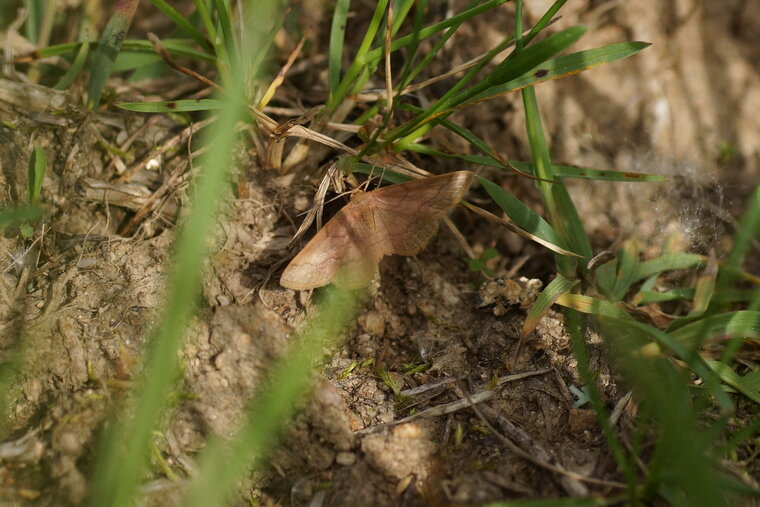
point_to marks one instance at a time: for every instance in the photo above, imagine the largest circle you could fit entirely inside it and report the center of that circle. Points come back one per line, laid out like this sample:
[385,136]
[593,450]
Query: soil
[82,294]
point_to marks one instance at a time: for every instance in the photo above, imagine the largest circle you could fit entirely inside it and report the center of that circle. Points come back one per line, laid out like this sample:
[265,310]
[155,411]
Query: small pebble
[345,458]
[374,323]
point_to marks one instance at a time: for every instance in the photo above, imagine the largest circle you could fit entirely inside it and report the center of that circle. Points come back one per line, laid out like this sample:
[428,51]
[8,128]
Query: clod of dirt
[502,294]
[227,359]
[404,450]
[373,323]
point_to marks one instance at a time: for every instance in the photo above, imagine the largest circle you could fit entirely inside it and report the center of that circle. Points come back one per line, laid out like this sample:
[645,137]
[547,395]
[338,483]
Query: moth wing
[407,214]
[343,252]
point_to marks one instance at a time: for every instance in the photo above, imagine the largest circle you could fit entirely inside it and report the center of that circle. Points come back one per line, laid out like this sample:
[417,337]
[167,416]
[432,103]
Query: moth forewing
[432,196]
[399,219]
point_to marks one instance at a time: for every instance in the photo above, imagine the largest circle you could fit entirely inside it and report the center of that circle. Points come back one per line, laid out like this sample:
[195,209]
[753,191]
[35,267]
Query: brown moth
[398,219]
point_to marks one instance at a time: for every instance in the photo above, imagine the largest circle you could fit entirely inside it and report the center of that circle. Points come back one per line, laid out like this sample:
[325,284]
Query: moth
[398,219]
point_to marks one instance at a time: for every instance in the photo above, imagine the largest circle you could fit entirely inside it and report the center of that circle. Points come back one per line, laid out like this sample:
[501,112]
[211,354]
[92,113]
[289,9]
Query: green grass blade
[226,23]
[574,322]
[560,285]
[201,8]
[337,37]
[605,277]
[223,463]
[530,57]
[520,62]
[35,10]
[175,47]
[492,160]
[561,66]
[521,214]
[627,268]
[666,398]
[673,342]
[125,452]
[705,289]
[136,61]
[592,306]
[748,385]
[572,223]
[172,106]
[668,262]
[743,323]
[570,171]
[351,79]
[125,447]
[182,22]
[18,215]
[562,213]
[36,174]
[557,218]
[76,67]
[108,47]
[644,297]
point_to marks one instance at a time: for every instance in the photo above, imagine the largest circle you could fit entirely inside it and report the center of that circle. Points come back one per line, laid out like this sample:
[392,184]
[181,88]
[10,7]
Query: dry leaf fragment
[399,219]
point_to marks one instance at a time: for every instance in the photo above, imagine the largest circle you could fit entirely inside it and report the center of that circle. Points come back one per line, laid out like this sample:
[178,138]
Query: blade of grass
[36,174]
[557,218]
[560,285]
[576,329]
[743,323]
[748,385]
[335,51]
[76,66]
[227,33]
[562,66]
[562,213]
[683,439]
[627,267]
[644,297]
[35,10]
[569,171]
[201,8]
[21,214]
[176,47]
[492,160]
[705,289]
[668,262]
[182,22]
[126,445]
[687,355]
[521,214]
[357,66]
[591,305]
[173,106]
[108,47]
